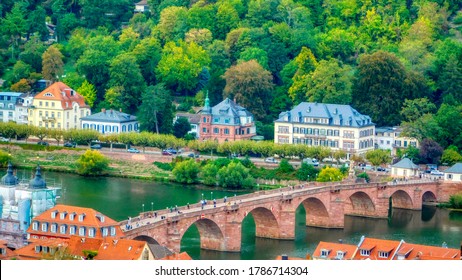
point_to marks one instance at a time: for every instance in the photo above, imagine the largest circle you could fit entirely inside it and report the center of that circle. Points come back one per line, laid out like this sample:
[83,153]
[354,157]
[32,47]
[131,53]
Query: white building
[339,127]
[109,122]
[454,173]
[20,202]
[390,138]
[194,120]
[8,101]
[405,168]
[22,109]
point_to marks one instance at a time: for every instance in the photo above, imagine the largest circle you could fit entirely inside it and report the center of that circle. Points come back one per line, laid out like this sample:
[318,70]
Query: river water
[119,198]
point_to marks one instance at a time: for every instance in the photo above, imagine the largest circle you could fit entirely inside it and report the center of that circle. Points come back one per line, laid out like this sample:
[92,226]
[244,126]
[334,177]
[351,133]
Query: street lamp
[211,195]
[142,205]
[152,206]
[202,196]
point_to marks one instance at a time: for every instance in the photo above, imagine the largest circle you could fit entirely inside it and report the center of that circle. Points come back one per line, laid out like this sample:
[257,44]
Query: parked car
[70,144]
[381,169]
[133,150]
[193,155]
[436,173]
[43,143]
[311,161]
[3,139]
[271,160]
[171,151]
[95,147]
[166,153]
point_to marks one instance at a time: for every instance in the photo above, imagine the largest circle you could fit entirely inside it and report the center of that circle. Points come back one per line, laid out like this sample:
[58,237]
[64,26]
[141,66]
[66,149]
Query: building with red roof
[334,251]
[58,106]
[64,221]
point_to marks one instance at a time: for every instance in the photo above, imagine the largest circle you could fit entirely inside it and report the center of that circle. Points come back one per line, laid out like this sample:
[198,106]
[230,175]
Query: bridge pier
[287,224]
[233,236]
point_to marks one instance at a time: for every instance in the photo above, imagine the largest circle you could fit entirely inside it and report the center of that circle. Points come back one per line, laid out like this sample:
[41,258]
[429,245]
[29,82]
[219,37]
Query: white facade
[8,102]
[454,173]
[22,110]
[110,122]
[389,138]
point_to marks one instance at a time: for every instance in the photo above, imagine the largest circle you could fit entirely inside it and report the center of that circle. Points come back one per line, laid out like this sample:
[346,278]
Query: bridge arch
[266,223]
[401,199]
[148,239]
[428,197]
[211,235]
[359,204]
[316,212]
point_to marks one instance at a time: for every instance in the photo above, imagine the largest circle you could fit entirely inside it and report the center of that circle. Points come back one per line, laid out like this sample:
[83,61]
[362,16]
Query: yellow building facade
[58,106]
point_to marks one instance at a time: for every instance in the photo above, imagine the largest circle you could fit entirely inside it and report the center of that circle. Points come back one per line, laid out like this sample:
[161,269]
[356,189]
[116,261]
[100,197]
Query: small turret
[207,109]
[38,182]
[9,179]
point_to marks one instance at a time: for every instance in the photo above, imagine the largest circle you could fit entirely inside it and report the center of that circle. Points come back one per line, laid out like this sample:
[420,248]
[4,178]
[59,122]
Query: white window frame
[72,230]
[383,254]
[364,252]
[324,253]
[105,232]
[44,227]
[113,231]
[54,228]
[82,231]
[35,225]
[91,232]
[62,229]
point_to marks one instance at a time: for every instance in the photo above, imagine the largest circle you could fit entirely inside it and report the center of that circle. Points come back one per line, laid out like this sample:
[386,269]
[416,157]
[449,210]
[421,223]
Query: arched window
[124,128]
[130,127]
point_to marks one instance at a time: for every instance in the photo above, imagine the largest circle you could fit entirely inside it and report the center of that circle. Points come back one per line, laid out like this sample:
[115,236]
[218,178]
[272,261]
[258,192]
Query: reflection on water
[119,198]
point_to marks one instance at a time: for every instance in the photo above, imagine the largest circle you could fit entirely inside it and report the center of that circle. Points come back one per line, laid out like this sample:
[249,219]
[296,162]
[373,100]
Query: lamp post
[152,206]
[211,195]
[142,205]
[202,196]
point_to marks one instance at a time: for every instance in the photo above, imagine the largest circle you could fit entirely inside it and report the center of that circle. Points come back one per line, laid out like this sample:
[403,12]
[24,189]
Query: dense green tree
[173,23]
[251,85]
[330,174]
[257,54]
[306,64]
[21,70]
[307,172]
[14,25]
[36,23]
[330,83]
[125,73]
[88,92]
[235,175]
[379,89]
[413,109]
[451,157]
[181,64]
[219,63]
[208,174]
[181,127]
[186,172]
[156,113]
[109,13]
[378,157]
[226,19]
[147,54]
[430,151]
[92,163]
[52,64]
[450,80]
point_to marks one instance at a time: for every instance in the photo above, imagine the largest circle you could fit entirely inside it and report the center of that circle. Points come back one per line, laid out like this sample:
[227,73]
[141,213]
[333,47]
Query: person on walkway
[187,205]
[224,199]
[214,203]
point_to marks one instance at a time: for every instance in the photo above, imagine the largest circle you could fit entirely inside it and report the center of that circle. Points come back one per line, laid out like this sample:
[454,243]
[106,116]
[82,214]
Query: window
[204,129]
[105,231]
[62,229]
[59,114]
[383,254]
[283,129]
[204,120]
[81,216]
[40,113]
[53,214]
[54,228]
[44,227]
[71,216]
[35,225]
[91,232]
[52,104]
[46,104]
[113,231]
[82,231]
[216,130]
[226,131]
[324,253]
[72,230]
[10,114]
[340,255]
[364,252]
[215,120]
[40,103]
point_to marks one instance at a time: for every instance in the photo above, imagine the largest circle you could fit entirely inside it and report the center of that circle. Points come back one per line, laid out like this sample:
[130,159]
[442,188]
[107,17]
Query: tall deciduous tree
[14,24]
[88,92]
[378,157]
[413,109]
[181,64]
[306,63]
[251,85]
[181,127]
[156,113]
[430,151]
[379,88]
[52,64]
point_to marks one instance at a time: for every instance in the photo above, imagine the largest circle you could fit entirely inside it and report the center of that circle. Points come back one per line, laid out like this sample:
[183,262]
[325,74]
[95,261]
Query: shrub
[285,167]
[209,174]
[330,174]
[4,159]
[455,201]
[247,162]
[307,172]
[235,175]
[92,163]
[221,162]
[186,171]
[364,175]
[163,166]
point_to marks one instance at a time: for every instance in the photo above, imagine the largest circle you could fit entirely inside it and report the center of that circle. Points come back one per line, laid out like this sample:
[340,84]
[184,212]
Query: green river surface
[119,198]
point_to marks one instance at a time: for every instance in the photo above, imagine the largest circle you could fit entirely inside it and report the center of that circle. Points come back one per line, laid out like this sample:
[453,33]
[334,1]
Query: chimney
[340,241]
[284,257]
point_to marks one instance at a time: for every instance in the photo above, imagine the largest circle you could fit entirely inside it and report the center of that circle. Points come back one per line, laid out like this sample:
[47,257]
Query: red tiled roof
[28,252]
[62,92]
[416,251]
[9,254]
[375,246]
[183,256]
[92,219]
[333,248]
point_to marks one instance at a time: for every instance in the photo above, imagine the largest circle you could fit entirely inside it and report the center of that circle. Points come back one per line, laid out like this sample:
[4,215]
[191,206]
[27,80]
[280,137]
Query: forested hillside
[400,61]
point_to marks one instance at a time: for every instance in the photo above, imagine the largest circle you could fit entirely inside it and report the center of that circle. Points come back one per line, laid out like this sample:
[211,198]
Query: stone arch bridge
[274,212]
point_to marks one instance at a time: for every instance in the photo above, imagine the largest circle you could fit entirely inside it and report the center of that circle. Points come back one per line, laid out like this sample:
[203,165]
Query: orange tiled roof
[92,218]
[183,256]
[29,251]
[333,248]
[411,251]
[62,92]
[376,246]
[8,254]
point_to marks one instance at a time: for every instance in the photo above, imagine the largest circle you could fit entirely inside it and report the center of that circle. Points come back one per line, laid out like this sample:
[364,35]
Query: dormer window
[53,214]
[364,252]
[3,251]
[45,249]
[38,248]
[100,217]
[62,215]
[113,231]
[72,230]
[383,254]
[54,228]
[81,216]
[71,216]
[340,255]
[324,253]
[44,227]
[35,225]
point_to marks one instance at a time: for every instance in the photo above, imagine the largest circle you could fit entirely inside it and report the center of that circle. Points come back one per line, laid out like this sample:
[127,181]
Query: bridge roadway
[274,211]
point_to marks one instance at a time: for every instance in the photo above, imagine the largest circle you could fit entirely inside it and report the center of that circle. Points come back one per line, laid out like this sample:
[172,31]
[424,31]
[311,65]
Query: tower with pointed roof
[226,121]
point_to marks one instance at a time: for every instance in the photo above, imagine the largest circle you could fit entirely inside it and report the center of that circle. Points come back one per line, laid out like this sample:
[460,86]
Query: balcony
[48,119]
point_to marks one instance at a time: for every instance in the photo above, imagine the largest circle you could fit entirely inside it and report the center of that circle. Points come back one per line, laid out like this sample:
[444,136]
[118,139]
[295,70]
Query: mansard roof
[229,109]
[343,115]
[110,116]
